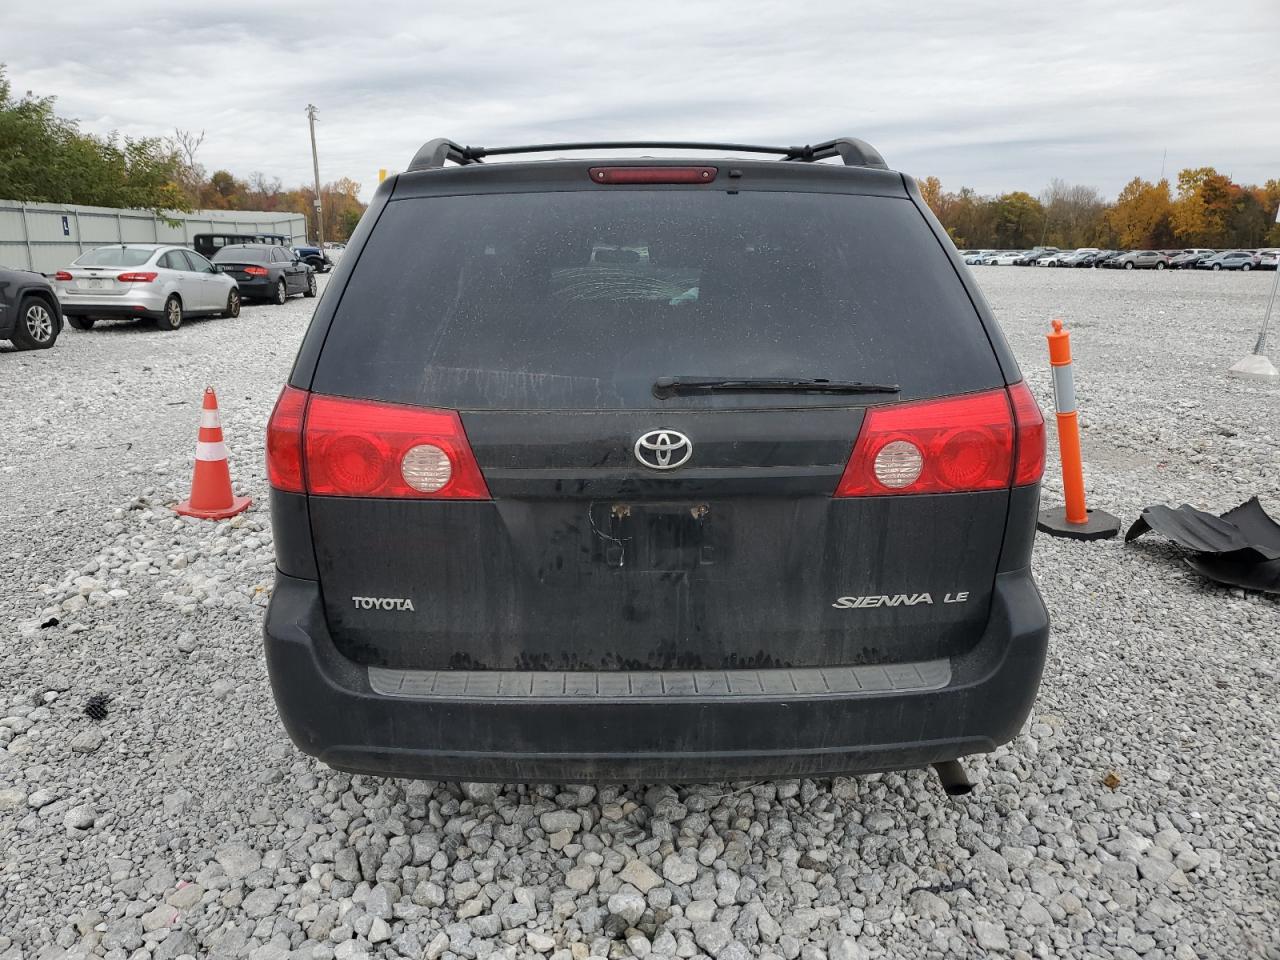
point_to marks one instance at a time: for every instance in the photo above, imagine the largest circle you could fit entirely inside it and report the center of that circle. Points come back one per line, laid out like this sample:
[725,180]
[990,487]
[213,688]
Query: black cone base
[1100,525]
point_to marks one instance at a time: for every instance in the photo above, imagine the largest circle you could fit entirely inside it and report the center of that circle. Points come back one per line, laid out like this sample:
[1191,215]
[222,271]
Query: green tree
[44,158]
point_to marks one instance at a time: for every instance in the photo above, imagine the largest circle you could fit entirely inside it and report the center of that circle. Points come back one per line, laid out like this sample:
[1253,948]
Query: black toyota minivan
[694,468]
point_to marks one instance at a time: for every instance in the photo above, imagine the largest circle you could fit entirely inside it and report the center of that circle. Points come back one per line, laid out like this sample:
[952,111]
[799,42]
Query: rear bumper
[258,289]
[129,305]
[332,711]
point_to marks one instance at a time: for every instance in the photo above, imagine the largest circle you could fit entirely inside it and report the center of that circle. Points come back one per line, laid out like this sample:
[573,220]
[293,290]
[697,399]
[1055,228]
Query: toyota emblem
[664,449]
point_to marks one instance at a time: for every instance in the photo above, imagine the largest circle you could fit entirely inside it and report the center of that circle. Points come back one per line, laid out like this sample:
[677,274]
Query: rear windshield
[115,257]
[583,299]
[254,254]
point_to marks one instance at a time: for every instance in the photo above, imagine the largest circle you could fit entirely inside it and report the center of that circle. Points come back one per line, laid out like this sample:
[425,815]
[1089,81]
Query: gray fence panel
[48,236]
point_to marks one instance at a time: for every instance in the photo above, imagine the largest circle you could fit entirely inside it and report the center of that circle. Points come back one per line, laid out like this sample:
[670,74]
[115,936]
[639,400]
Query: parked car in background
[976,257]
[1187,259]
[316,258]
[1267,259]
[30,316]
[1104,258]
[1244,260]
[1140,260]
[264,272]
[162,282]
[1028,258]
[1075,258]
[1005,259]
[207,244]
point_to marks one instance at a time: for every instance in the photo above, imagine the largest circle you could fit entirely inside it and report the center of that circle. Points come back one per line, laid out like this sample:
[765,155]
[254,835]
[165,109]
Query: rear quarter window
[582,299]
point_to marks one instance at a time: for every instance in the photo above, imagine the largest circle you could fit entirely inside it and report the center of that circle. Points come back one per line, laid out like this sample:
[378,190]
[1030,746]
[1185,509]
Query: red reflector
[284,441]
[1030,427]
[653,174]
[256,271]
[62,275]
[357,448]
[141,277]
[952,445]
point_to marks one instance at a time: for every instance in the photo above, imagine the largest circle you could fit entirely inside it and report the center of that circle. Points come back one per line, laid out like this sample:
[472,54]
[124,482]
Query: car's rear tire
[1246,267]
[1129,265]
[82,323]
[171,318]
[1159,266]
[37,325]
[282,294]
[311,286]
[233,304]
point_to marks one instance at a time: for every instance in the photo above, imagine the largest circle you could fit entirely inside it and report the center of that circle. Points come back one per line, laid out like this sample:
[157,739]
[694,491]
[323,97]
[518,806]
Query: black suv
[653,469]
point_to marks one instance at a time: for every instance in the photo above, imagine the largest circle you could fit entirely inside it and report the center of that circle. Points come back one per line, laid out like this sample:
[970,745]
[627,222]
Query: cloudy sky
[994,95]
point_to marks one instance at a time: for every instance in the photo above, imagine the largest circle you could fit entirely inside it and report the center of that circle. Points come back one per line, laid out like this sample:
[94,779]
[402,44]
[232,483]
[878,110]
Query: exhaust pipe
[955,782]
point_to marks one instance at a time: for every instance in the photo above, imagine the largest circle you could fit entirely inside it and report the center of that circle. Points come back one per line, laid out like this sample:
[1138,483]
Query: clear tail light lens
[950,445]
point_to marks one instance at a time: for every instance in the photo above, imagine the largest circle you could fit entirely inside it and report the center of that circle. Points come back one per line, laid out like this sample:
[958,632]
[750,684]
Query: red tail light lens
[145,276]
[335,447]
[284,441]
[62,275]
[653,174]
[256,271]
[952,445]
[363,448]
[1029,423]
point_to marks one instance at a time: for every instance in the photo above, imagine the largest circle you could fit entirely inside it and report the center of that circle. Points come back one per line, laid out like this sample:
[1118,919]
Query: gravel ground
[1136,814]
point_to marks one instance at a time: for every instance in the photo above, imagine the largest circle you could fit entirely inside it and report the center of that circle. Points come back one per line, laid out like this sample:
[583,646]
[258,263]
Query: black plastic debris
[96,707]
[1240,548]
[51,622]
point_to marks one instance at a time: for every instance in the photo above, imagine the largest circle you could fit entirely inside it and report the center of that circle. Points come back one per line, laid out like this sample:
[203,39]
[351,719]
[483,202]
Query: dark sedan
[266,272]
[29,312]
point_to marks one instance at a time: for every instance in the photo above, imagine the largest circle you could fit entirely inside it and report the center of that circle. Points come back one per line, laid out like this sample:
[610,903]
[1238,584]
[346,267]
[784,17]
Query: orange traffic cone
[211,496]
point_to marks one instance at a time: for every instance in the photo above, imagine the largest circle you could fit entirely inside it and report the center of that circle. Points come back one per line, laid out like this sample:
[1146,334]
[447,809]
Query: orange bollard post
[1074,519]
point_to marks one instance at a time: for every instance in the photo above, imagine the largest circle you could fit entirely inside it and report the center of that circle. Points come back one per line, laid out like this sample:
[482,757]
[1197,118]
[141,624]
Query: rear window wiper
[666,387]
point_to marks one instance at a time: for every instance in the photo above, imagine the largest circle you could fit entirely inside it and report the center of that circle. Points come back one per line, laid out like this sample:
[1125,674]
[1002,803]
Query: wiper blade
[666,387]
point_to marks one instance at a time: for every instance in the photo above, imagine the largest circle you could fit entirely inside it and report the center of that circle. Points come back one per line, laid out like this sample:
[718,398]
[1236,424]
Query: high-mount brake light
[366,448]
[1029,422]
[62,275]
[256,271]
[951,445]
[653,174]
[141,276]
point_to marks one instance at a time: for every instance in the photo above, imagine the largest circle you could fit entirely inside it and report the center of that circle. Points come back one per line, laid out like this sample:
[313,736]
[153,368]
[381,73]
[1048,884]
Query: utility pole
[315,163]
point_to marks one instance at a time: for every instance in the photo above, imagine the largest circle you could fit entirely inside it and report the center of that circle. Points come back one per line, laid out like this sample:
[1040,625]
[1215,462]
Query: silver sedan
[161,282]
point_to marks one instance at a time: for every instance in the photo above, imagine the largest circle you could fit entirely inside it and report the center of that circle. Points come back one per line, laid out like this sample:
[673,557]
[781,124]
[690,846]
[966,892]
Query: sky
[997,96]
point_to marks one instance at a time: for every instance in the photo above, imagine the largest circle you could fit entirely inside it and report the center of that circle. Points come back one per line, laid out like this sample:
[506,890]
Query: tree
[1202,213]
[45,158]
[1140,217]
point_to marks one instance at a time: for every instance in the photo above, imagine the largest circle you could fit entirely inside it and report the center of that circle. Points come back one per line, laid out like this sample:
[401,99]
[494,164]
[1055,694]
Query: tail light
[951,445]
[256,271]
[336,447]
[62,275]
[145,276]
[284,441]
[1029,423]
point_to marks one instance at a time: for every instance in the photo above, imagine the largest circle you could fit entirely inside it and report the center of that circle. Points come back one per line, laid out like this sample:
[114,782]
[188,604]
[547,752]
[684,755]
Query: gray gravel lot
[1136,815]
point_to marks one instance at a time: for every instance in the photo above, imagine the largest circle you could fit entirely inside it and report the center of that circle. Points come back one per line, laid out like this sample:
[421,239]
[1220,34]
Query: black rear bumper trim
[332,710]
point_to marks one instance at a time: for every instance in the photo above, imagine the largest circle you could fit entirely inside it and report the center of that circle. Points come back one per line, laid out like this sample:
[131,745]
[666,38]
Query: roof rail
[855,153]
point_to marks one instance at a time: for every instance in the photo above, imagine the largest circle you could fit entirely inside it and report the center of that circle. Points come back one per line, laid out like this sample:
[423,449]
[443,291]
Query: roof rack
[855,153]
